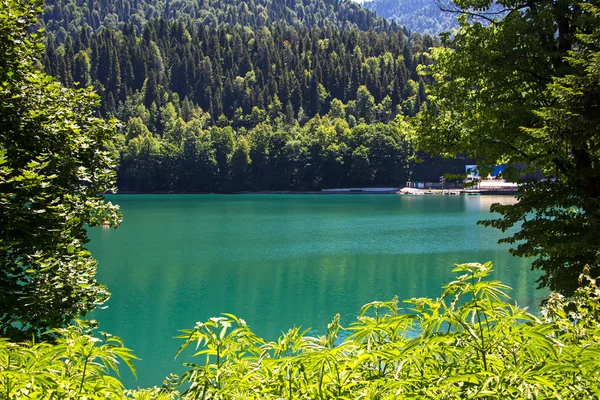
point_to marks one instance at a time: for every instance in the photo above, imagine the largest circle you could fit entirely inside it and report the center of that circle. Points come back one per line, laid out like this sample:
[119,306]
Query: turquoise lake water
[282,260]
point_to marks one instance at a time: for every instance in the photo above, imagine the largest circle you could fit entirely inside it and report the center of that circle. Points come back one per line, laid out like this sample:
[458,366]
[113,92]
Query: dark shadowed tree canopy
[524,91]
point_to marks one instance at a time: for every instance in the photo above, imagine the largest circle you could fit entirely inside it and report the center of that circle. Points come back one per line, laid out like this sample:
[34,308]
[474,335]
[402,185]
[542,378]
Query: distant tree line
[193,156]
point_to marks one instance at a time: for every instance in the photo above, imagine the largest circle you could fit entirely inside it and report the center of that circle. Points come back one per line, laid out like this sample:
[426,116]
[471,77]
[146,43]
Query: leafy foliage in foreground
[524,91]
[76,366]
[54,165]
[469,343]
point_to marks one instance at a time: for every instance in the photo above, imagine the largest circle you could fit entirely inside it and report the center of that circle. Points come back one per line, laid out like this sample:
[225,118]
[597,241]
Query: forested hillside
[223,69]
[215,96]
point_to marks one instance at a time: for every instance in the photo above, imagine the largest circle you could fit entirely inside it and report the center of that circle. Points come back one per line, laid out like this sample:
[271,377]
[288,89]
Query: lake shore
[350,191]
[459,192]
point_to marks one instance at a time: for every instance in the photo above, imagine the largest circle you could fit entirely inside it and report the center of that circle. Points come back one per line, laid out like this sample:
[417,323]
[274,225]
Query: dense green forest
[225,106]
[232,69]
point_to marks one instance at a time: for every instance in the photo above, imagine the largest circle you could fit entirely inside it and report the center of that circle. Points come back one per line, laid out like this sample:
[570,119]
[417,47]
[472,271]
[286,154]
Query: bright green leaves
[77,366]
[54,167]
[477,287]
[229,348]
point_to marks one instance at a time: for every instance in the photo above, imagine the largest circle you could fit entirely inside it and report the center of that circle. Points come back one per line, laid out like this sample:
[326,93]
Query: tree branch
[482,14]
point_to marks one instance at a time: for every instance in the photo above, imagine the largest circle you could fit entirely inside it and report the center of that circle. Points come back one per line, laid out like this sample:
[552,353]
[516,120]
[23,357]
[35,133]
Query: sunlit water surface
[282,260]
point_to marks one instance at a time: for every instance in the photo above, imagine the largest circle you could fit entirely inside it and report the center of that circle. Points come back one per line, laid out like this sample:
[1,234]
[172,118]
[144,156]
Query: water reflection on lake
[279,261]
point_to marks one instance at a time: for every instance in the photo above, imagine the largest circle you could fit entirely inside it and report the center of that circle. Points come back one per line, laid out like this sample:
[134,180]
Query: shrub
[469,343]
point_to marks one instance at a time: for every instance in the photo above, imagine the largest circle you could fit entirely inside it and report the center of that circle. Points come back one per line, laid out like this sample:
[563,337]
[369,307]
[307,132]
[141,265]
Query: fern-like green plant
[471,342]
[78,365]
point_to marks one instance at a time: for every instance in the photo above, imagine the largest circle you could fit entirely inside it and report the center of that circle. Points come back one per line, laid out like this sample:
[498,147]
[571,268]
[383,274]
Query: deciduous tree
[54,165]
[523,91]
